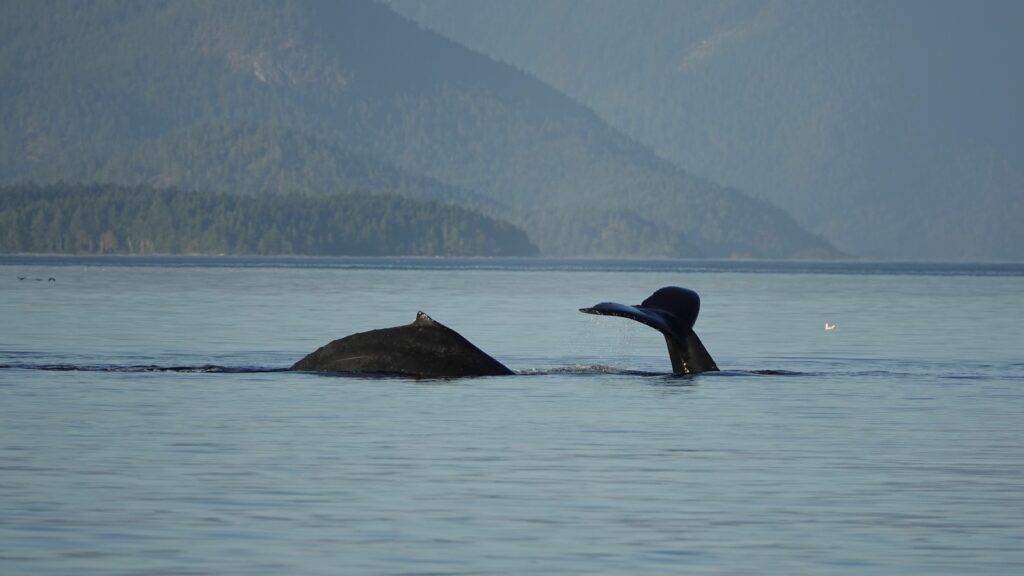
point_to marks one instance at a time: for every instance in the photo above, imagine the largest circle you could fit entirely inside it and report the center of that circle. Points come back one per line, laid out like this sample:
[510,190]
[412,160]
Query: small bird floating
[829,327]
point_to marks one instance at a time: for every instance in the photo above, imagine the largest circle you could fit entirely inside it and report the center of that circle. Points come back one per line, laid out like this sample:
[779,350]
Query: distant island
[112,219]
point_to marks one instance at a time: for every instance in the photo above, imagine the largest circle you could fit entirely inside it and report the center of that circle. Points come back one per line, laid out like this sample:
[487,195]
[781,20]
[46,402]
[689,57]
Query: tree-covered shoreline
[111,219]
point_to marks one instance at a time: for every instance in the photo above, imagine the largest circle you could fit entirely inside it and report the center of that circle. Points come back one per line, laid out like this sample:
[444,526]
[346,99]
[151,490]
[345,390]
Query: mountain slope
[343,96]
[106,219]
[253,160]
[888,127]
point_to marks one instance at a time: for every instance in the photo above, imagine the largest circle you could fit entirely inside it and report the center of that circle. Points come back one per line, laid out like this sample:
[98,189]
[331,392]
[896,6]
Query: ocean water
[147,427]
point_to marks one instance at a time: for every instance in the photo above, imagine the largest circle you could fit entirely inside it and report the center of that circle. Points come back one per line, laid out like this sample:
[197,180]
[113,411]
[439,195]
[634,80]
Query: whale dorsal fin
[672,311]
[423,319]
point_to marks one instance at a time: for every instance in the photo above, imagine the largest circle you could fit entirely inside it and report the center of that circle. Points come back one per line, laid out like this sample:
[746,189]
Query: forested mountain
[104,219]
[892,128]
[327,97]
[258,159]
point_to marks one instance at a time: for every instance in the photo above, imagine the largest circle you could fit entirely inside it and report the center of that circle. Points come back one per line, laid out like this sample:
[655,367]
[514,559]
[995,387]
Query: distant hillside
[328,97]
[890,128]
[107,219]
[255,159]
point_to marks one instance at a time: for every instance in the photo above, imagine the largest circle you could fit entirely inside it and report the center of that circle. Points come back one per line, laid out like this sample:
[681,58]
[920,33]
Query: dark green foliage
[254,160]
[75,219]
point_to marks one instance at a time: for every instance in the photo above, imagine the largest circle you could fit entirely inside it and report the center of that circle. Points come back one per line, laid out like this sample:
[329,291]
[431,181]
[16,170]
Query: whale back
[423,349]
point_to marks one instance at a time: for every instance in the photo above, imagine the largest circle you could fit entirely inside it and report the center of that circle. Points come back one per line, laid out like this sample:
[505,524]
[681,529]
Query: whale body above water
[428,349]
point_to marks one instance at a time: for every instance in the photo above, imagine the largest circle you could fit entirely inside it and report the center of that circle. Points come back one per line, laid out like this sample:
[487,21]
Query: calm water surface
[145,427]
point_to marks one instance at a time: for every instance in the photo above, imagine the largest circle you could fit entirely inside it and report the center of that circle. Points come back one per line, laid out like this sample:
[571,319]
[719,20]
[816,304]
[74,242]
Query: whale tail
[671,311]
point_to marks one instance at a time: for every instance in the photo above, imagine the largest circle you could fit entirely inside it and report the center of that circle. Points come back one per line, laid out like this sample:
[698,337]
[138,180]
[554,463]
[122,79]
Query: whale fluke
[671,311]
[423,349]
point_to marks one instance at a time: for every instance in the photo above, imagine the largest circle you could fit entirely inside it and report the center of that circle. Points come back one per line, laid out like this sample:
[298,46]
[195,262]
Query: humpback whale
[428,349]
[424,349]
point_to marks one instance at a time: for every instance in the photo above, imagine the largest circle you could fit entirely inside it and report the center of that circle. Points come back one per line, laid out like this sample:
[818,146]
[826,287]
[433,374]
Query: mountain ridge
[119,88]
[889,128]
